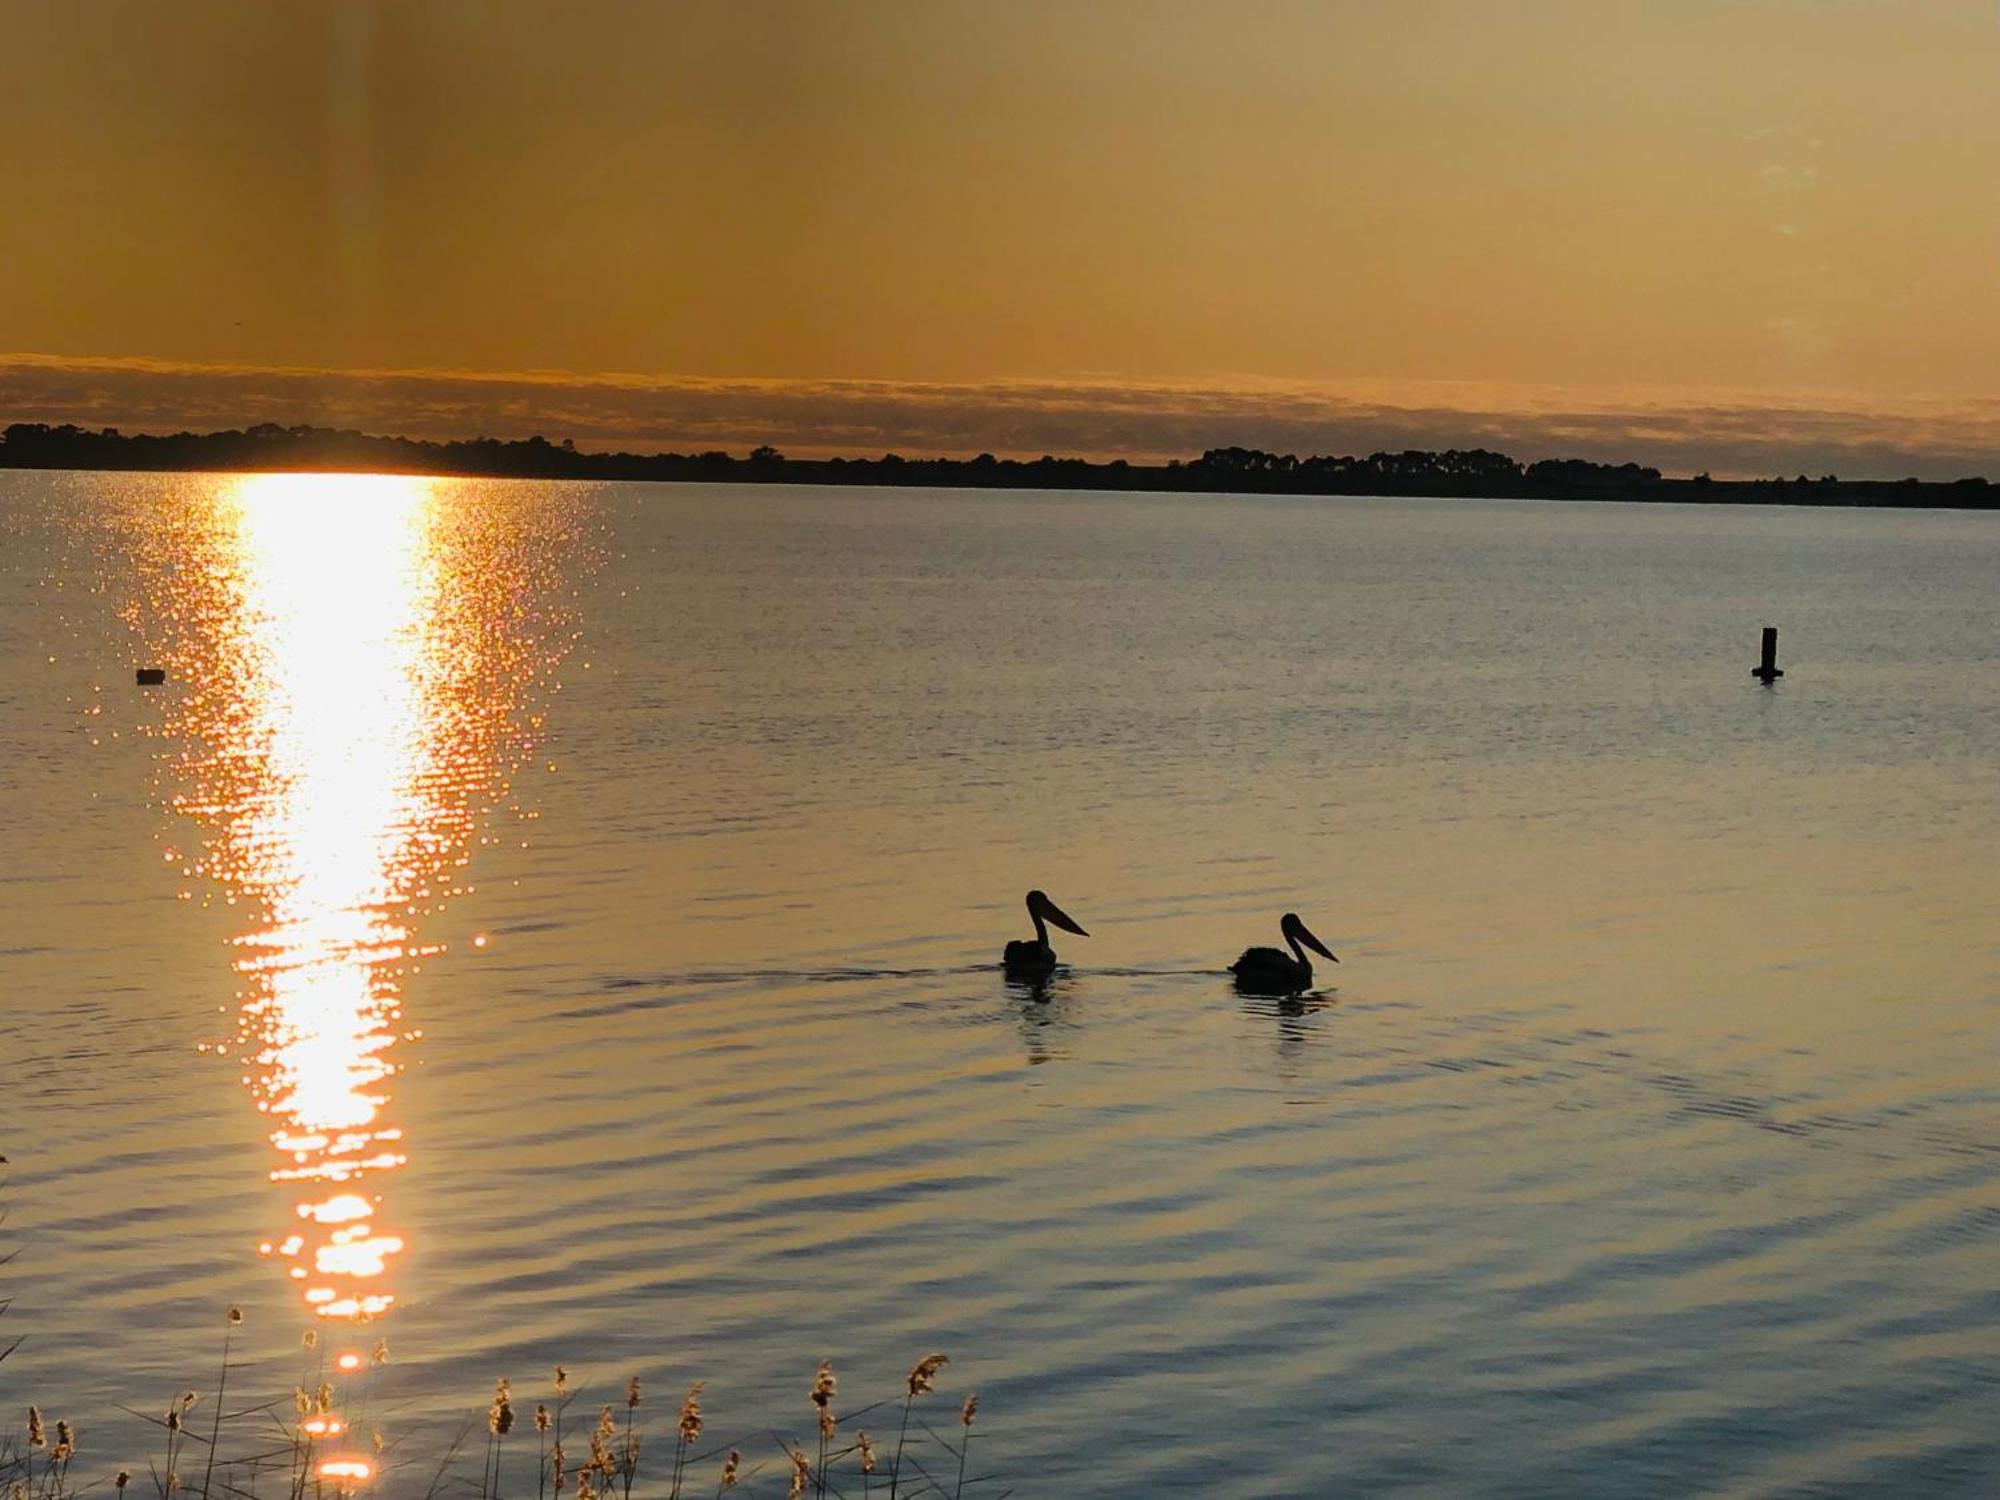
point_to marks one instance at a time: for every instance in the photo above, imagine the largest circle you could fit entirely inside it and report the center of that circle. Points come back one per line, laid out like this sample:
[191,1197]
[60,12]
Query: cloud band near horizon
[1733,434]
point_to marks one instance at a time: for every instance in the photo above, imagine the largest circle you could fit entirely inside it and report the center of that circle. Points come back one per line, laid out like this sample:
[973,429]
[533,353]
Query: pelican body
[1270,971]
[1032,957]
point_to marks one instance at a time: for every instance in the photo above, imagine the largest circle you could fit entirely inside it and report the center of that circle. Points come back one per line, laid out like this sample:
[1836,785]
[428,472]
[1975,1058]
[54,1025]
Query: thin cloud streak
[1727,433]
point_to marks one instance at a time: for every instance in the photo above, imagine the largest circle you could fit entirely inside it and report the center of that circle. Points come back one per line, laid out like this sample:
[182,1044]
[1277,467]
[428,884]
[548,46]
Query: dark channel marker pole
[1768,670]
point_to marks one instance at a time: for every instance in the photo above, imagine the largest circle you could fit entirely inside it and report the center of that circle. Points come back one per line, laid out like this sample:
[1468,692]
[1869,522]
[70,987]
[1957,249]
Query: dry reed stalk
[823,1387]
[918,1383]
[221,1386]
[631,1454]
[965,1415]
[600,1448]
[688,1430]
[175,1422]
[562,1405]
[499,1422]
[866,1450]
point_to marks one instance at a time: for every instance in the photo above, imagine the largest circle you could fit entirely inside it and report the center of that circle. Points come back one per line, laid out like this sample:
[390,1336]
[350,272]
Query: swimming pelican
[1266,971]
[1037,957]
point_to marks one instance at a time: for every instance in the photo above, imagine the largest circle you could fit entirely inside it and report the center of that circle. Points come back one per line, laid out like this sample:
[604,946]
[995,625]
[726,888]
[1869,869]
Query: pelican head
[1043,909]
[1295,931]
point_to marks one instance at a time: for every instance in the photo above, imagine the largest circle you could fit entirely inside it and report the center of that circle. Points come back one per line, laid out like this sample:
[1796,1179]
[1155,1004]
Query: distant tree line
[1456,471]
[1453,472]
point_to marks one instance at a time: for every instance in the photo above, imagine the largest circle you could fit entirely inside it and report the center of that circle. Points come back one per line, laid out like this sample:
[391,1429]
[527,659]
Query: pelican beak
[1315,944]
[1060,918]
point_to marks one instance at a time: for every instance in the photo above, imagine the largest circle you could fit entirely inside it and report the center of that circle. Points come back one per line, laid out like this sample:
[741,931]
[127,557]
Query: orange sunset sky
[1742,235]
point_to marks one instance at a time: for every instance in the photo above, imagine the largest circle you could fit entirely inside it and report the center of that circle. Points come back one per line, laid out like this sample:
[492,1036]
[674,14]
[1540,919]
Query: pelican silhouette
[1023,957]
[1267,971]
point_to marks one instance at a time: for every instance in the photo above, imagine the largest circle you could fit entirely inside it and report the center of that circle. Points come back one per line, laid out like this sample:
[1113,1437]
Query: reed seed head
[188,1401]
[924,1372]
[303,1402]
[731,1468]
[379,1355]
[970,1410]
[124,1478]
[562,1380]
[36,1437]
[866,1449]
[632,1393]
[235,1316]
[823,1388]
[500,1415]
[65,1443]
[311,1340]
[541,1417]
[801,1471]
[173,1424]
[691,1413]
[606,1426]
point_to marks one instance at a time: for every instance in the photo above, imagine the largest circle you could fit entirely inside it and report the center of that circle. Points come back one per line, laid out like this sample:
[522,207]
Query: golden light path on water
[335,616]
[357,654]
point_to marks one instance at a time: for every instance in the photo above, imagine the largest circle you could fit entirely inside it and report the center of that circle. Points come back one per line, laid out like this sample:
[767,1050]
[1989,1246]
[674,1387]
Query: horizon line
[1727,432]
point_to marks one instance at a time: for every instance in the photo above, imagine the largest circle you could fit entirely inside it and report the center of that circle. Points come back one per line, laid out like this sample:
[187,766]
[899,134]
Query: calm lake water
[558,924]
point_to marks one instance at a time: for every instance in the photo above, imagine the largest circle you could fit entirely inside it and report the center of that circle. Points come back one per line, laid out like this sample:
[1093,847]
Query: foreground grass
[321,1441]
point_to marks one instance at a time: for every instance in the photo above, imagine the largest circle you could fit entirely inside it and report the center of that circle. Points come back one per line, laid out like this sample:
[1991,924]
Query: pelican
[1029,958]
[1266,971]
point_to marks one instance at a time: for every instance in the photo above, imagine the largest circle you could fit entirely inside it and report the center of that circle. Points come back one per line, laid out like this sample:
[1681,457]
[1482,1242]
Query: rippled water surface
[544,923]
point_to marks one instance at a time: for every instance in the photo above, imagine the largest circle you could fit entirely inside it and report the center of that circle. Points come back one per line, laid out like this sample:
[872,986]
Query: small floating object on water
[1025,958]
[1768,670]
[152,676]
[1266,971]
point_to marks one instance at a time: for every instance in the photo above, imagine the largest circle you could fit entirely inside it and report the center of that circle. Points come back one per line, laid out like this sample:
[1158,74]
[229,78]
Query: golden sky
[1669,206]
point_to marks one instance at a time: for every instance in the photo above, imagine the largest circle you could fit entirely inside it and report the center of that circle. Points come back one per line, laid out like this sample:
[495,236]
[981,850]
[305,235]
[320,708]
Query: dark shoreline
[1456,473]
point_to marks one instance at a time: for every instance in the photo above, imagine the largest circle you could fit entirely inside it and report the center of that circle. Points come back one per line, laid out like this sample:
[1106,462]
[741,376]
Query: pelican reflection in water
[1025,959]
[1269,971]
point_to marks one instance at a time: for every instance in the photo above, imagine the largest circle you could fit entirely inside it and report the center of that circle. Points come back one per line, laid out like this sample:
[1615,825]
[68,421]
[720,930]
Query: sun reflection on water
[357,663]
[335,609]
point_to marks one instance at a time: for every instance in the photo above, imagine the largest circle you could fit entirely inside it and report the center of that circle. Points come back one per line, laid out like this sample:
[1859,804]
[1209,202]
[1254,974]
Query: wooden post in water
[1768,670]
